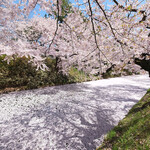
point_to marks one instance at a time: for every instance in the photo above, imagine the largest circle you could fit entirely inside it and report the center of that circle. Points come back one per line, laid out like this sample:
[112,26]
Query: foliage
[133,132]
[15,73]
[21,72]
[77,76]
[65,9]
[117,72]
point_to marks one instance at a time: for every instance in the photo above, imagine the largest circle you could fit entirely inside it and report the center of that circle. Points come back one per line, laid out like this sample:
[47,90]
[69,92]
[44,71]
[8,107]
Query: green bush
[20,72]
[77,76]
[17,72]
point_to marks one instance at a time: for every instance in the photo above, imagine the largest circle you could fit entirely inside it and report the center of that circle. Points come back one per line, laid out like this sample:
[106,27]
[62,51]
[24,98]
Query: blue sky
[42,13]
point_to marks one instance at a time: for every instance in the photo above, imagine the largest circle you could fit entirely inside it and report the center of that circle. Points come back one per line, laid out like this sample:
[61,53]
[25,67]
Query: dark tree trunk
[144,63]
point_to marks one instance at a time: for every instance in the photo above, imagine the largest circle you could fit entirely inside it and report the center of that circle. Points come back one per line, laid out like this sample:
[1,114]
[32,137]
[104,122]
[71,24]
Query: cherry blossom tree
[86,34]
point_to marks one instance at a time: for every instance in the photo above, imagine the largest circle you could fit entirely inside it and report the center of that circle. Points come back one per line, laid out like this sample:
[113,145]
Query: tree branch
[57,25]
[132,10]
[95,38]
[111,28]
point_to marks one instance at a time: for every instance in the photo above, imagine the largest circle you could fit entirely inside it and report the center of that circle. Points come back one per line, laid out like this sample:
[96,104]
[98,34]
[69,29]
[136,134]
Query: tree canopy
[88,33]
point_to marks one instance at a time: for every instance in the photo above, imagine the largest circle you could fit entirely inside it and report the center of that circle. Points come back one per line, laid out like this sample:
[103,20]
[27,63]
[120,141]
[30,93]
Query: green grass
[78,76]
[133,132]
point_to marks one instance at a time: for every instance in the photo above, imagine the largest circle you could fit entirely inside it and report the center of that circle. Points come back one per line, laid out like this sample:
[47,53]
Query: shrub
[17,72]
[77,76]
[21,72]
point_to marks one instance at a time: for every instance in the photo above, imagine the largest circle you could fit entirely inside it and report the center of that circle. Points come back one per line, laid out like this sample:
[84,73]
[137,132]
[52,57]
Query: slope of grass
[133,132]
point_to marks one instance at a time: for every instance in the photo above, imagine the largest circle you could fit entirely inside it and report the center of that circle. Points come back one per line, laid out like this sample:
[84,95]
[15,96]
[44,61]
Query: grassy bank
[133,132]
